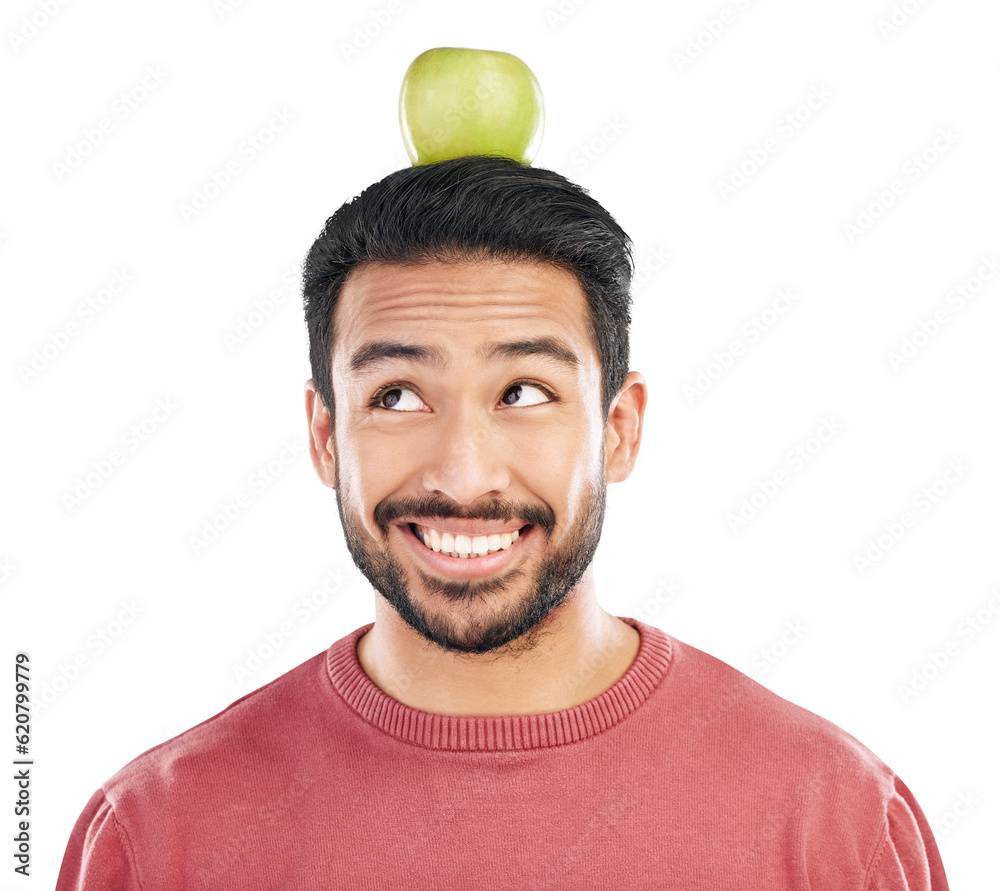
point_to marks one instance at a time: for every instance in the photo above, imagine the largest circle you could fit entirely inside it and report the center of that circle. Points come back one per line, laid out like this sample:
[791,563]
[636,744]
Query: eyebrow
[377,352]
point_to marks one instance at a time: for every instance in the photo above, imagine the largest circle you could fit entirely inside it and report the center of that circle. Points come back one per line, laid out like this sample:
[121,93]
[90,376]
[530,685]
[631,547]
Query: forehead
[458,306]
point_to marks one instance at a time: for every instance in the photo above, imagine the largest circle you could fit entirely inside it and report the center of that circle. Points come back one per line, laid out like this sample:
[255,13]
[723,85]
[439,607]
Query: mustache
[387,512]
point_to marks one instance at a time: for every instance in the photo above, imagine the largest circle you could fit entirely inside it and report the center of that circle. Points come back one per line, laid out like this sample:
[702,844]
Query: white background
[662,130]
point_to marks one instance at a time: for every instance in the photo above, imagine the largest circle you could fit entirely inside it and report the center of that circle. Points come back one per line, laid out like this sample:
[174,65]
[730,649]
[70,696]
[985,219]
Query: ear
[624,430]
[322,448]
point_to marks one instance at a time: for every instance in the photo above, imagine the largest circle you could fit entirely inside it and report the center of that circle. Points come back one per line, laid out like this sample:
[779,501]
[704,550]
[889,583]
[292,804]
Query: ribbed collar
[508,732]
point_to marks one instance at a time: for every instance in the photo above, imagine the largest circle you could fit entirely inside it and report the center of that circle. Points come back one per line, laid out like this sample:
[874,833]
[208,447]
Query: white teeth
[466,546]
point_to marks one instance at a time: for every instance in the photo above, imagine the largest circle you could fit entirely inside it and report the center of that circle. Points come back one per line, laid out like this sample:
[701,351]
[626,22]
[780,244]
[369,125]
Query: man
[494,727]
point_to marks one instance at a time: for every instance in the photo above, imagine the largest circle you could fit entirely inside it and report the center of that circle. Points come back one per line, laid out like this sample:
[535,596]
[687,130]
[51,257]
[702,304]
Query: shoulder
[250,731]
[784,756]
[716,699]
[799,776]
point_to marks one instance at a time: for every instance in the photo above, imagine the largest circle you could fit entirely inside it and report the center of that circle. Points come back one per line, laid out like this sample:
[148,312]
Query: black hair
[475,208]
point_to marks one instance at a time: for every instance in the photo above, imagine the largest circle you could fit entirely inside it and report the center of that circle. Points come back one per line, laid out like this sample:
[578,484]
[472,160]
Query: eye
[403,399]
[520,395]
[397,399]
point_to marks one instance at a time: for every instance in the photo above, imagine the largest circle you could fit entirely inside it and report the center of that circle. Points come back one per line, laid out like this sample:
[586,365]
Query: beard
[516,626]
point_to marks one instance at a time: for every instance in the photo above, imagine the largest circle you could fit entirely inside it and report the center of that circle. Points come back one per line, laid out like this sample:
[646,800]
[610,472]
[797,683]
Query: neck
[580,652]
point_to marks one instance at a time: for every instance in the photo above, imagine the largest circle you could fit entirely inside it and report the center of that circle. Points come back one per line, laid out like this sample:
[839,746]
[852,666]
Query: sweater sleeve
[97,855]
[908,858]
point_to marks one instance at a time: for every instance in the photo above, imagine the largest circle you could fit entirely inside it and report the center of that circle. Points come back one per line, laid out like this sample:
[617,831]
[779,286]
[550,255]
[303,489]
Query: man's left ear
[624,430]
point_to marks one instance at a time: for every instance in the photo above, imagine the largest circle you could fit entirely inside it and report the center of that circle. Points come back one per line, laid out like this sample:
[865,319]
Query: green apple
[456,102]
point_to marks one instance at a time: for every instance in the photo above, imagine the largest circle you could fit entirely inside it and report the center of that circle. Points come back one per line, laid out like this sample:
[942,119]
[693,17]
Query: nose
[467,462]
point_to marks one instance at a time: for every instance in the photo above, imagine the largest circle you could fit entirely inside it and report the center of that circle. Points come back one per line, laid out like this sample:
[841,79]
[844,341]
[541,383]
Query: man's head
[459,316]
[475,208]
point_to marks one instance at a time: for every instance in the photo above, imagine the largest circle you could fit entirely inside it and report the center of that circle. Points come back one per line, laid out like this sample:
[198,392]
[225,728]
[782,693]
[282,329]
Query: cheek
[579,489]
[558,462]
[544,450]
[371,468]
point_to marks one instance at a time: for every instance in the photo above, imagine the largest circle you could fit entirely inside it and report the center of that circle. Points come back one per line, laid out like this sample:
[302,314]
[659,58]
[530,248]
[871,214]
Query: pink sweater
[686,774]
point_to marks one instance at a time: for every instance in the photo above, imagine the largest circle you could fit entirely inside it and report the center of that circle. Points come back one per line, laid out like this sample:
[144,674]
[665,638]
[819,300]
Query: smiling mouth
[465,547]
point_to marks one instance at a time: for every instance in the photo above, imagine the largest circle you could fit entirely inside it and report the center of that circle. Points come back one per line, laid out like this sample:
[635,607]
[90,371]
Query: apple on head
[456,102]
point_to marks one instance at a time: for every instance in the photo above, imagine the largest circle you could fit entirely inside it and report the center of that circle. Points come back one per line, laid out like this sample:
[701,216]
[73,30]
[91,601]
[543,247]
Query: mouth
[465,556]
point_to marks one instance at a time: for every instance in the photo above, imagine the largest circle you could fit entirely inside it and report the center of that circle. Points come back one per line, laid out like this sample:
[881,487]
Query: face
[469,449]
